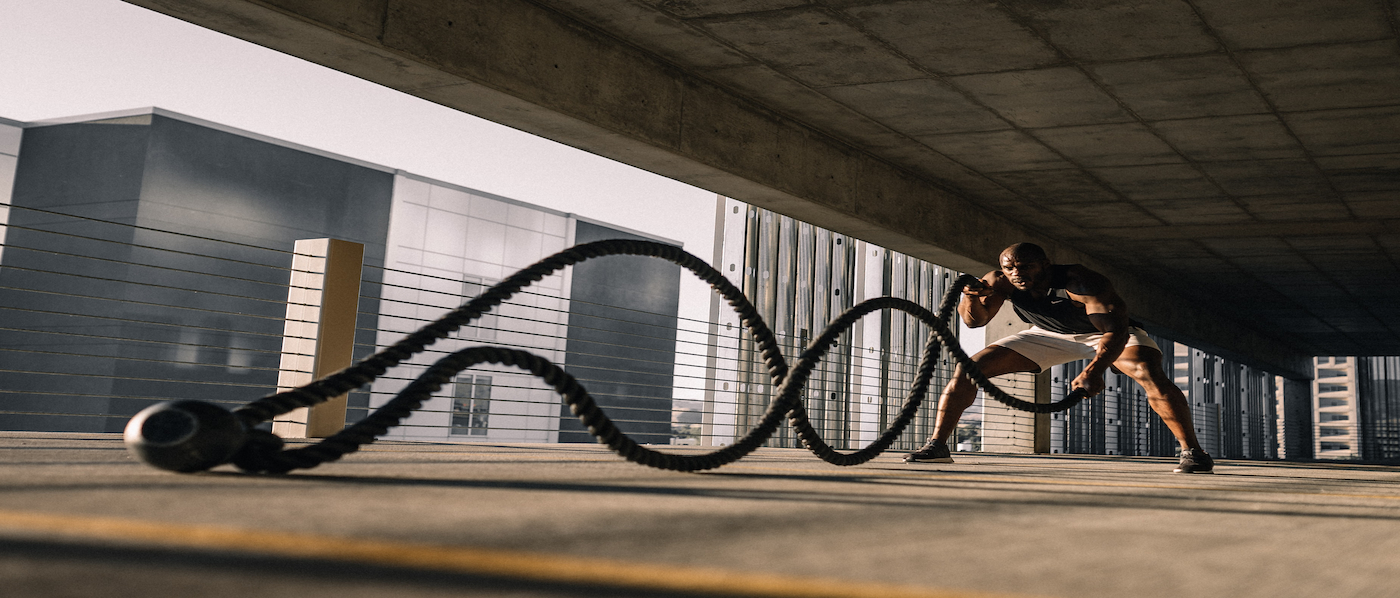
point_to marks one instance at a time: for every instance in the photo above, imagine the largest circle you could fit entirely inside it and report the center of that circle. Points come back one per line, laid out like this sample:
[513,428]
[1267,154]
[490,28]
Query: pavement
[80,517]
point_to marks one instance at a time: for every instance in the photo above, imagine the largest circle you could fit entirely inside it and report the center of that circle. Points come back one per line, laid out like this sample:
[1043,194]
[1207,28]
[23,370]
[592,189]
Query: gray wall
[1295,400]
[177,330]
[622,339]
[1378,392]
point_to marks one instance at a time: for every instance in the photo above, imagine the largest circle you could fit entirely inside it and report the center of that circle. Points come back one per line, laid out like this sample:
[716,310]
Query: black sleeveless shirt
[1056,311]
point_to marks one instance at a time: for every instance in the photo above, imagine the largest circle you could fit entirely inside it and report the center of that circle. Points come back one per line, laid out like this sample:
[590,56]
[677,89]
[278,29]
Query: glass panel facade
[170,280]
[800,277]
[446,245]
[1378,382]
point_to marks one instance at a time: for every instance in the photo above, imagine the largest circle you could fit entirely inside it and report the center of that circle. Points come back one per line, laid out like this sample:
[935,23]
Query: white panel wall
[445,246]
[719,424]
[9,158]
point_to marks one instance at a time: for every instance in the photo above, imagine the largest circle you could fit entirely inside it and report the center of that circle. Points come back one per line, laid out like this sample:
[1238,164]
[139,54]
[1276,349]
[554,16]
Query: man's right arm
[980,305]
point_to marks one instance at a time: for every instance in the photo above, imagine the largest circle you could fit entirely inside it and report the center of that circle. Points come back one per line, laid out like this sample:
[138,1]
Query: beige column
[1042,420]
[1007,430]
[319,334]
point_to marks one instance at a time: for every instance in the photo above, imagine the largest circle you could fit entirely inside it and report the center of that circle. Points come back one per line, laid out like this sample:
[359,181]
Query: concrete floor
[79,517]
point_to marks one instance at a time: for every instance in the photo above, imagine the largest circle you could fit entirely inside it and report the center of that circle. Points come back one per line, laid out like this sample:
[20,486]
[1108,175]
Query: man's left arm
[1109,313]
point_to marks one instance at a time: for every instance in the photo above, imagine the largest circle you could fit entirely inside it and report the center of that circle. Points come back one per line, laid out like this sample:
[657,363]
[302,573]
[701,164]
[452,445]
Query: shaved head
[1029,252]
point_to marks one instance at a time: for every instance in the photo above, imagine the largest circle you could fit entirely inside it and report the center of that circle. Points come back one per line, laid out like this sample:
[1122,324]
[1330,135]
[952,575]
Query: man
[1075,314]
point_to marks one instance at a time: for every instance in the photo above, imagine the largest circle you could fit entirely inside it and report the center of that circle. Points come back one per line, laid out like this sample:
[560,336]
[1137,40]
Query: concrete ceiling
[1246,150]
[1234,163]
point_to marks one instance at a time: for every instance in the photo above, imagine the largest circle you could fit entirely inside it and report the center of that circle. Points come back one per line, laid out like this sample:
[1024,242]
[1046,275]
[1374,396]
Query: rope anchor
[190,436]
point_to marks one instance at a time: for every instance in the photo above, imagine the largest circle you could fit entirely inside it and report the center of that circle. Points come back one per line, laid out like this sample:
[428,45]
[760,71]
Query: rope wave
[264,452]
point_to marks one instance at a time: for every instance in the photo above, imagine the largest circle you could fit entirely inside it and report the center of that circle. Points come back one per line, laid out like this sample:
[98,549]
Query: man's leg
[961,391]
[1144,364]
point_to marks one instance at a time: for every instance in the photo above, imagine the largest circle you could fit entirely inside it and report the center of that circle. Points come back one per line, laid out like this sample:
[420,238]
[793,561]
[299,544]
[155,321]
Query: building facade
[1335,409]
[610,321]
[1378,386]
[147,258]
[1356,408]
[1118,421]
[800,277]
[1234,409]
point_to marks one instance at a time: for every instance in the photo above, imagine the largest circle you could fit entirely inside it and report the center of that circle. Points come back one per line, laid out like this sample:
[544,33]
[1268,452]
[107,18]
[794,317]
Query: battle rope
[170,438]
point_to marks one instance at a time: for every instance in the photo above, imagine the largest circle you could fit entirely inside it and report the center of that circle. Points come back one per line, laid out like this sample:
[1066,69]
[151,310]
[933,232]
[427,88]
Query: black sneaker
[1195,461]
[933,452]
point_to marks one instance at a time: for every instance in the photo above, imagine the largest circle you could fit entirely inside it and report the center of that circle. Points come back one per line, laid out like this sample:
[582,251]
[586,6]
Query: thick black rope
[263,452]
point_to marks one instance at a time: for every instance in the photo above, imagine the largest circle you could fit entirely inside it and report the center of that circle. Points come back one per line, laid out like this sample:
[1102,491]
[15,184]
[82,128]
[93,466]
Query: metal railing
[101,318]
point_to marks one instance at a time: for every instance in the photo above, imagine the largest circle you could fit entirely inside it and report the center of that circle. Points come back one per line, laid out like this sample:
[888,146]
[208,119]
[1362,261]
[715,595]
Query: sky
[84,56]
[65,58]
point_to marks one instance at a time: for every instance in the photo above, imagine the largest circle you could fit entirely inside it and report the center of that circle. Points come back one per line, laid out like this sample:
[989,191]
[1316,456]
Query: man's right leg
[961,393]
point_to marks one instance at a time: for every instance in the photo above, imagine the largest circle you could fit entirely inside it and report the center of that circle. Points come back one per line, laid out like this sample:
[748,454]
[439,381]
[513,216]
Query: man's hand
[979,288]
[1092,383]
[981,300]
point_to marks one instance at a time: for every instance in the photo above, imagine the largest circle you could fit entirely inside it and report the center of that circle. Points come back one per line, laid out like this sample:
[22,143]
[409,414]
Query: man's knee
[960,379]
[960,385]
[1150,376]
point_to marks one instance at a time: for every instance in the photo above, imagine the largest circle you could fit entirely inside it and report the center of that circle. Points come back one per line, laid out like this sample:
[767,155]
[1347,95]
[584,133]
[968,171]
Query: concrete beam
[524,66]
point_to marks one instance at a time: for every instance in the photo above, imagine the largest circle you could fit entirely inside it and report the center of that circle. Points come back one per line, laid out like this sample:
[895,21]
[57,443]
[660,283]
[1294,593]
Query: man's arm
[1109,313]
[979,305]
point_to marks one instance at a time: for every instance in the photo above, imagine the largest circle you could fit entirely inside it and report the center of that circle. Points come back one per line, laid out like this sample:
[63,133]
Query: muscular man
[1075,314]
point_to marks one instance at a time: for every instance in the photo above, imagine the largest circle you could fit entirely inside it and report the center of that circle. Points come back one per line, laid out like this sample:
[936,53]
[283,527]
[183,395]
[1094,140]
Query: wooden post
[319,334]
[1042,420]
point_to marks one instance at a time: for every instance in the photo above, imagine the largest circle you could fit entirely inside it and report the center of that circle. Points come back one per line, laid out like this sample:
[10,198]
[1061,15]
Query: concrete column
[1042,420]
[1007,430]
[9,160]
[1296,415]
[319,334]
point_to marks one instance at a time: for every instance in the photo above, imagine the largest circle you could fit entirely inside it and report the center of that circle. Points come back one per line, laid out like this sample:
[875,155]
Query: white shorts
[1048,348]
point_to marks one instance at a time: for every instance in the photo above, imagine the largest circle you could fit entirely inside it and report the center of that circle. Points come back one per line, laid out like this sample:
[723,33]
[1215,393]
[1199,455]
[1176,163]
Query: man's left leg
[1144,364]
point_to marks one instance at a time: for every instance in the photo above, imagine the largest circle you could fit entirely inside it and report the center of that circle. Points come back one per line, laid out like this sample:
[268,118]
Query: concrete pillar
[1296,419]
[1042,420]
[319,334]
[1007,430]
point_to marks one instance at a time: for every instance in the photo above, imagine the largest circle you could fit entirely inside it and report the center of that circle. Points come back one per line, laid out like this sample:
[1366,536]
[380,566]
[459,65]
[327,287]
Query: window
[484,327]
[471,405]
[1331,388]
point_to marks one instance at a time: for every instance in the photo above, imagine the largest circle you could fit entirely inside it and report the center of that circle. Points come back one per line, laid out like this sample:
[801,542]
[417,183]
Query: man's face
[1023,273]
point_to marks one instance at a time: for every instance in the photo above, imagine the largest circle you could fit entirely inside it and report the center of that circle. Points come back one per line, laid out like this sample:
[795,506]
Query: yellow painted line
[1030,480]
[498,563]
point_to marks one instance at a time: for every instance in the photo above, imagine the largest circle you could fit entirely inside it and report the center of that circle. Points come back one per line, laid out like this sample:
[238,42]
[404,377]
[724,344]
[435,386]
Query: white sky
[72,57]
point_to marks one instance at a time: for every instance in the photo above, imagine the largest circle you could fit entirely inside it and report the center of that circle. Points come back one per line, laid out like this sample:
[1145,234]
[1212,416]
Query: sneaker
[1195,461]
[933,452]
